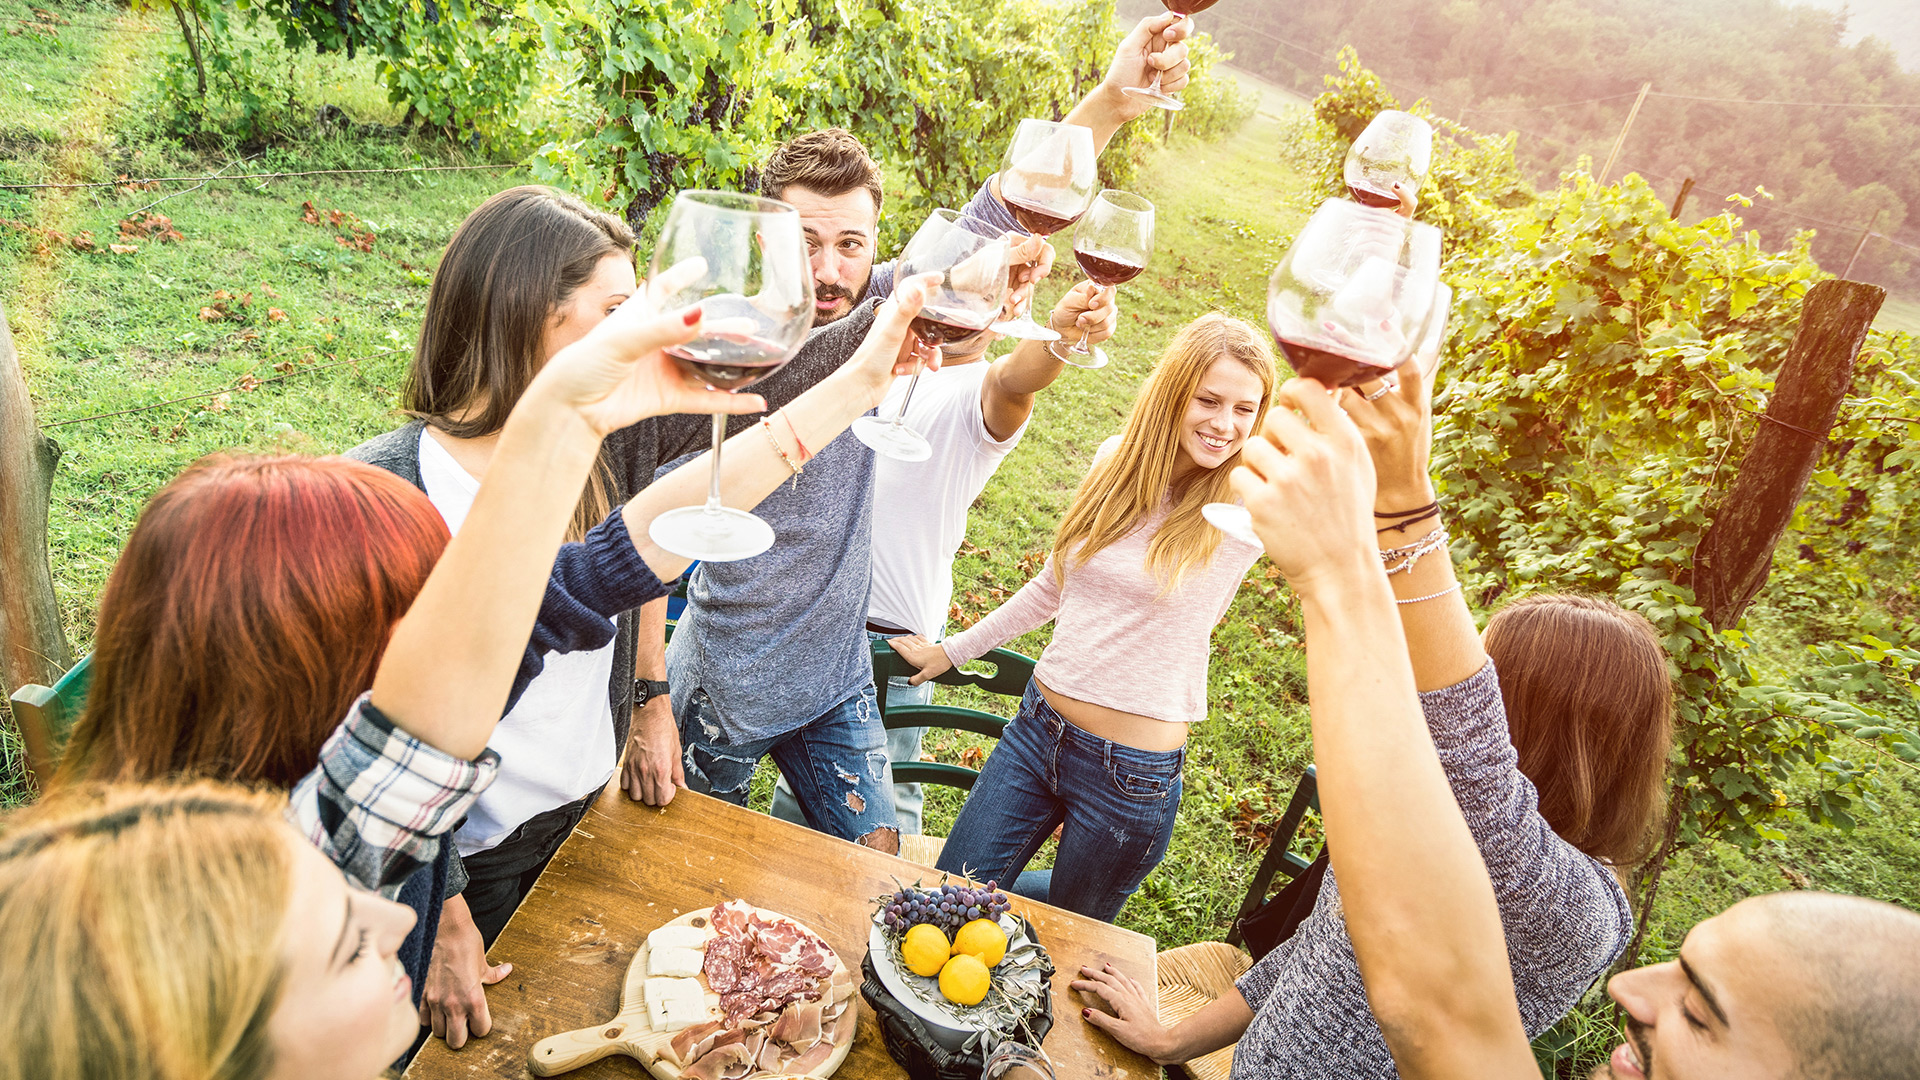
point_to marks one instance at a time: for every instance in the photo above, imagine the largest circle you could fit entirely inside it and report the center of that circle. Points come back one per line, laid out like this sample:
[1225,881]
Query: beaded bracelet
[1431,596]
[1400,560]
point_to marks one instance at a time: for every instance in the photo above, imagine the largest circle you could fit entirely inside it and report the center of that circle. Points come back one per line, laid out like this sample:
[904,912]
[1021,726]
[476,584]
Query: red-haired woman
[1554,735]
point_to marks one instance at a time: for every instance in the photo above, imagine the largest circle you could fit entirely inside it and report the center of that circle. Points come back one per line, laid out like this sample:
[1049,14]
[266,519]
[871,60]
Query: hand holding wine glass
[756,302]
[1112,244]
[969,290]
[1350,298]
[1047,179]
[1154,93]
[1387,165]
[1156,48]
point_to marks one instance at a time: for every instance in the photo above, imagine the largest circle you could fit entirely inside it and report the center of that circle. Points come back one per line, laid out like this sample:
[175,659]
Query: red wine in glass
[1371,196]
[1314,360]
[1105,268]
[936,327]
[1183,8]
[1038,220]
[722,372]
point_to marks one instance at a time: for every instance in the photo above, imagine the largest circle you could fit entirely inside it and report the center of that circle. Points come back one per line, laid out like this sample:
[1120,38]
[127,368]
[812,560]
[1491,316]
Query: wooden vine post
[1737,553]
[33,645]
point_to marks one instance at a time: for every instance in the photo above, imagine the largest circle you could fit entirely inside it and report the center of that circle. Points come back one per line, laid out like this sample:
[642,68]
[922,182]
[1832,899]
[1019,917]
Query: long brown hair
[1590,710]
[1137,477]
[516,259]
[249,609]
[140,930]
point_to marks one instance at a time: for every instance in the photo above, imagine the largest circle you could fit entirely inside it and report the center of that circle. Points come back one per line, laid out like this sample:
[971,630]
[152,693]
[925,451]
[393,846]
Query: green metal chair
[45,716]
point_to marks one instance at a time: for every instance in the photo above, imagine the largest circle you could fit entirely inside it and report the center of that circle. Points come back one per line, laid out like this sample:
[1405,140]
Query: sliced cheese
[667,1003]
[677,937]
[676,962]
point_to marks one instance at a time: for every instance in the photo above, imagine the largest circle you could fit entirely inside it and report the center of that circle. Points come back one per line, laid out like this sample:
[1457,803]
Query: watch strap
[645,690]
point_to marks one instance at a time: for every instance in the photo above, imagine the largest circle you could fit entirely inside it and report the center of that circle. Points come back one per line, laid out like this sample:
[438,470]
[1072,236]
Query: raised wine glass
[1017,1061]
[1186,9]
[756,300]
[1357,295]
[973,286]
[1047,179]
[1112,244]
[1395,148]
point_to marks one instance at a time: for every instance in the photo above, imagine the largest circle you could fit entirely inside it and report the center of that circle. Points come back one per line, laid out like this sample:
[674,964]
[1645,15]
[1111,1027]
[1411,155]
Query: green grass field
[261,330]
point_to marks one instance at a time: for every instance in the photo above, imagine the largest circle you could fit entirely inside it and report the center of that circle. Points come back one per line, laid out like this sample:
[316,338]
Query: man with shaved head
[1791,985]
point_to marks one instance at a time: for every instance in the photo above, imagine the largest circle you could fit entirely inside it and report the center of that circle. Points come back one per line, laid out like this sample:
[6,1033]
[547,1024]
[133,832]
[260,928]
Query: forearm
[1219,1024]
[650,654]
[1417,901]
[1029,368]
[1442,641]
[1036,602]
[452,659]
[1102,112]
[750,466]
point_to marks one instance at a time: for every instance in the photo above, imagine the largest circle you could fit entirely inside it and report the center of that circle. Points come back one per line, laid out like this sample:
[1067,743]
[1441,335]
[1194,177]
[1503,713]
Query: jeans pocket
[1141,784]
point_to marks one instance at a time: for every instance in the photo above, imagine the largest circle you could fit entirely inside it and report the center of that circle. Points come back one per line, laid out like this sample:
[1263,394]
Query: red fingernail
[1086,1014]
[693,315]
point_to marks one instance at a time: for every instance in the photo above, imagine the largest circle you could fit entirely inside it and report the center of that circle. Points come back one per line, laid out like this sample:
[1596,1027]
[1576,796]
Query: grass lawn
[261,330]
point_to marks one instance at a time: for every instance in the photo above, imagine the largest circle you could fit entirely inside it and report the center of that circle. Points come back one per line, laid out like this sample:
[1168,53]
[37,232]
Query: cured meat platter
[731,992]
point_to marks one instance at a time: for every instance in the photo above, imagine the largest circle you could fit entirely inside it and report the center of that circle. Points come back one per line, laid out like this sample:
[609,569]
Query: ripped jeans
[836,763]
[1117,805]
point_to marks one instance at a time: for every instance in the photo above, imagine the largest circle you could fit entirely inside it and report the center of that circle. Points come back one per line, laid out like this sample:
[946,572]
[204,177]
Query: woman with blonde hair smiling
[1134,586]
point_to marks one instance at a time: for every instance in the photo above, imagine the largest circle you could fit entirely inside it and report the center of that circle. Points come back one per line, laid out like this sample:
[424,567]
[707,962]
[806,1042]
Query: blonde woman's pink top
[1118,641]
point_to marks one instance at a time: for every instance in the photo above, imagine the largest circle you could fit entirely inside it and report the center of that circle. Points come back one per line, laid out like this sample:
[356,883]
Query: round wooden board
[630,1032]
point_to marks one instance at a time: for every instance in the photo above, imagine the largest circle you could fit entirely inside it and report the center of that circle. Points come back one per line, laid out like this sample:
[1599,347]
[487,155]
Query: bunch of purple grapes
[949,907]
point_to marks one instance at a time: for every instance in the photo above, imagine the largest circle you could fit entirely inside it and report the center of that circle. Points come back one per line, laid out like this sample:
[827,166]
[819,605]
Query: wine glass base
[1234,520]
[890,439]
[721,534]
[1095,359]
[1159,99]
[1025,329]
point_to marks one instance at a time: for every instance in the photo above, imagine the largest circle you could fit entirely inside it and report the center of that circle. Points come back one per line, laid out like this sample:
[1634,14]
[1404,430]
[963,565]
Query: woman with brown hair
[1579,685]
[212,940]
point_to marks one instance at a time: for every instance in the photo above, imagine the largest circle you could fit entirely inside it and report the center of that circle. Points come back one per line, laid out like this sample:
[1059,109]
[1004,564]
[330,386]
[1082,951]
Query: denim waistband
[1036,703]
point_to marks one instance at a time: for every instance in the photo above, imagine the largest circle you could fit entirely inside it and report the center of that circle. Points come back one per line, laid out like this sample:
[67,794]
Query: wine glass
[1017,1061]
[1350,298]
[1186,9]
[756,300]
[1047,179]
[972,288]
[1111,244]
[1395,148]
[1350,253]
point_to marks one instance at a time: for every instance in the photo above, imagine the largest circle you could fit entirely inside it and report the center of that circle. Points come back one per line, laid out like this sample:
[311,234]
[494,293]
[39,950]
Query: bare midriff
[1125,728]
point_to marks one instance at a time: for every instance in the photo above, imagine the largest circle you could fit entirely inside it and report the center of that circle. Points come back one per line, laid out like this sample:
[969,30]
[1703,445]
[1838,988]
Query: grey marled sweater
[1566,917]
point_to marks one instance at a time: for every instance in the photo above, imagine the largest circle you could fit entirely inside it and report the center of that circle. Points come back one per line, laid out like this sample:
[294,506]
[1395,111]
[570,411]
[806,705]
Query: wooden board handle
[569,1050]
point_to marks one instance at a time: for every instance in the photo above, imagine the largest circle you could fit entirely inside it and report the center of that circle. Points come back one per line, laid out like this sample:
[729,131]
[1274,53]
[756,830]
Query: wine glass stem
[1084,347]
[900,418]
[713,483]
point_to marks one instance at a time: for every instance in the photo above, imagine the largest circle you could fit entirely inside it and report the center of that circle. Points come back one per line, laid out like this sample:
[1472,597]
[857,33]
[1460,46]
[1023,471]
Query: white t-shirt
[556,745]
[920,507]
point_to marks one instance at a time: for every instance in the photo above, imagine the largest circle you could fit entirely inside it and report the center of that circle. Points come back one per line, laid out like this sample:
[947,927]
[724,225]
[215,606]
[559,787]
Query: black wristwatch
[645,690]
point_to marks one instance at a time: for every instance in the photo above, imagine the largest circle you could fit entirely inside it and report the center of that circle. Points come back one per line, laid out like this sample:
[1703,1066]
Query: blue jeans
[1117,803]
[903,744]
[837,763]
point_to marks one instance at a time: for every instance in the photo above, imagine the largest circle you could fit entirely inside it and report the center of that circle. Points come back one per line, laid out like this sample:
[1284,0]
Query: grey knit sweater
[1566,917]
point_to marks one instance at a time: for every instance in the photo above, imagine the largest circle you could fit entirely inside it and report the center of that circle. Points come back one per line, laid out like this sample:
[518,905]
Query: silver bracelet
[1455,587]
[1400,560]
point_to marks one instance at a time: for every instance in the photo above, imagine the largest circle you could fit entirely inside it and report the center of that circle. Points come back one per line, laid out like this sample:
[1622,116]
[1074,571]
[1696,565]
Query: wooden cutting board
[630,1032]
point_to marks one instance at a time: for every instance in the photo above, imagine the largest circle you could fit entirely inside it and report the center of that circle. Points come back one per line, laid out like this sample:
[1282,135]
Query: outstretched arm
[1108,106]
[1006,396]
[1417,900]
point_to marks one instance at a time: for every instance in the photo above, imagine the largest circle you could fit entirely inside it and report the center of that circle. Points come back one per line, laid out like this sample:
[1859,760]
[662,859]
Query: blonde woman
[1136,582]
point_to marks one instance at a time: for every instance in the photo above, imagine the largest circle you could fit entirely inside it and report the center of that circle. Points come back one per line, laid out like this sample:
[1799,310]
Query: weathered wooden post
[1737,553]
[33,645]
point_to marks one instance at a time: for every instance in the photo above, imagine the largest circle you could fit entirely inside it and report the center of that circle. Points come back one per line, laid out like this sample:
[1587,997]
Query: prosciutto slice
[799,1025]
[721,1063]
[761,965]
[690,1043]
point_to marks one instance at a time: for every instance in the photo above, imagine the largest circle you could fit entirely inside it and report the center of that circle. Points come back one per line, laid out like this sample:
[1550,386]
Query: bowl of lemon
[960,961]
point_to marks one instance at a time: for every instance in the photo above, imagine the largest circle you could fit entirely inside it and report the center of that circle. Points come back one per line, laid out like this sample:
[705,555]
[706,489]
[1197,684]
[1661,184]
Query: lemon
[983,940]
[925,949]
[964,980]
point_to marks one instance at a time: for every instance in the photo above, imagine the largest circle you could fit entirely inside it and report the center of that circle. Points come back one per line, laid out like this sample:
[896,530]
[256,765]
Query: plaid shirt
[382,802]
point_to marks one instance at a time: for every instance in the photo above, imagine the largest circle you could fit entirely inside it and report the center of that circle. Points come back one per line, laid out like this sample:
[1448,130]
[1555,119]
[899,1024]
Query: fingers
[673,279]
[494,974]
[456,1024]
[437,1020]
[720,401]
[480,1018]
[1408,201]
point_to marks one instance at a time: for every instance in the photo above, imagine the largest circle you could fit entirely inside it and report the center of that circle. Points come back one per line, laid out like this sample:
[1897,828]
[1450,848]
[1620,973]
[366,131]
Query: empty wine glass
[973,286]
[1350,298]
[1112,244]
[756,300]
[1395,148]
[1047,178]
[1017,1061]
[1186,9]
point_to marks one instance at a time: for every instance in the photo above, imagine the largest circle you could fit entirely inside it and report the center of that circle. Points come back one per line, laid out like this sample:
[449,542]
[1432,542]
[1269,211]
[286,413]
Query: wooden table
[629,867]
